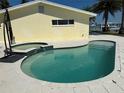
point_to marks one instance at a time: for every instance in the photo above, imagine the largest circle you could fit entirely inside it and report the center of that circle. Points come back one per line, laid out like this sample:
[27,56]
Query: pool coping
[116,68]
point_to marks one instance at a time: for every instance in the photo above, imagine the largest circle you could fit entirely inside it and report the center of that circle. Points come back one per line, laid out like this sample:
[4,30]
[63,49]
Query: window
[71,21]
[41,9]
[63,22]
[54,22]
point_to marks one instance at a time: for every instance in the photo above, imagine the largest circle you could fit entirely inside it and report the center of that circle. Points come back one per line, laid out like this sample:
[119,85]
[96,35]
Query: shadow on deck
[12,58]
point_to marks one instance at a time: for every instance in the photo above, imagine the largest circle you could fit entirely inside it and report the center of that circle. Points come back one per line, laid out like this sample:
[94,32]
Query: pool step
[34,51]
[47,47]
[40,49]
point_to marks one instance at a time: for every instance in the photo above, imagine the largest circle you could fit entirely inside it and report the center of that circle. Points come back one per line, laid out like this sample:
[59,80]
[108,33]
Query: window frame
[60,23]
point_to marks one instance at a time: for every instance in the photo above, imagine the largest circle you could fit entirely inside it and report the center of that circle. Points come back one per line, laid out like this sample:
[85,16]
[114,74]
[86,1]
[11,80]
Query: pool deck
[13,80]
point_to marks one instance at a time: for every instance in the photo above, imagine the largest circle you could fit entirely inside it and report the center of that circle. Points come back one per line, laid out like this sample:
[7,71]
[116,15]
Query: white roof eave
[21,6]
[49,3]
[69,8]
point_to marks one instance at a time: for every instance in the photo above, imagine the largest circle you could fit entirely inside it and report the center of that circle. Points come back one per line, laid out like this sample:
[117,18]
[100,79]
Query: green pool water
[90,62]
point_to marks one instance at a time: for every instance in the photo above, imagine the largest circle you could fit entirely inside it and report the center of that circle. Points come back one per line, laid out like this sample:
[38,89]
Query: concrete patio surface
[13,80]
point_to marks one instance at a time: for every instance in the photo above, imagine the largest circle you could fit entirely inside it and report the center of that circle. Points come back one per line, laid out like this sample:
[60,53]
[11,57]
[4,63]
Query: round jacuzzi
[25,46]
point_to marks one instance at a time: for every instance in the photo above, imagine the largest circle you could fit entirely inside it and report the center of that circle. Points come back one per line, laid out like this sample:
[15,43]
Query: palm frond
[106,7]
[4,4]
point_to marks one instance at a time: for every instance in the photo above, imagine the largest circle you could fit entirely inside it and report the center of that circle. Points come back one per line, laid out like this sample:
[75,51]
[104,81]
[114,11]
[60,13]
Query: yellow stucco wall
[29,25]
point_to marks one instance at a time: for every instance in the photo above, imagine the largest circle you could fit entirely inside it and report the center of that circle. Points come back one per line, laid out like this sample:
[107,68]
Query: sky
[81,4]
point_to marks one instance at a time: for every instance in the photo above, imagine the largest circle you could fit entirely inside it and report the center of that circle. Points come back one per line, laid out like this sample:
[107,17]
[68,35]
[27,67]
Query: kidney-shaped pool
[90,62]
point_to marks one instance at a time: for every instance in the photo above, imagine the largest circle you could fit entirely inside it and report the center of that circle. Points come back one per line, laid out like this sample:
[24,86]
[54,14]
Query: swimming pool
[90,62]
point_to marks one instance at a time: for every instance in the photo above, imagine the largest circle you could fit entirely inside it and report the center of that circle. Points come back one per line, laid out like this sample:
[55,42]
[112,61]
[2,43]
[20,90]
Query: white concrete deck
[13,80]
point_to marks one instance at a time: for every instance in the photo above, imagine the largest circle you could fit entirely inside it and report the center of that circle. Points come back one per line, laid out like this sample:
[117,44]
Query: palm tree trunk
[106,20]
[122,20]
[5,43]
[8,36]
[9,27]
[6,31]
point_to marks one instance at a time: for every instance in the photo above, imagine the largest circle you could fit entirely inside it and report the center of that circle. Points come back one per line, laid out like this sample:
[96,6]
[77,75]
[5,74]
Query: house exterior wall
[30,25]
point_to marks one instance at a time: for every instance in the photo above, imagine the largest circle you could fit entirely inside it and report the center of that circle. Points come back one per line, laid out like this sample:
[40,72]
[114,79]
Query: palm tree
[106,7]
[7,28]
[23,1]
[122,20]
